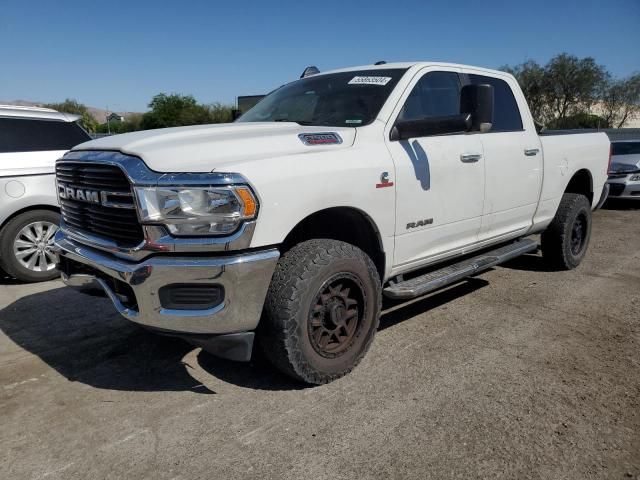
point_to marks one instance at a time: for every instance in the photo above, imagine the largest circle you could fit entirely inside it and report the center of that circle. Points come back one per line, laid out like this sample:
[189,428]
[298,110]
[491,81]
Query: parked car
[336,189]
[31,140]
[624,175]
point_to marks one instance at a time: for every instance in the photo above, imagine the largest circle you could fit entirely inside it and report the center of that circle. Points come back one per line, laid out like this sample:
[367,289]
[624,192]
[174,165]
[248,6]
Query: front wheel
[321,312]
[565,241]
[26,246]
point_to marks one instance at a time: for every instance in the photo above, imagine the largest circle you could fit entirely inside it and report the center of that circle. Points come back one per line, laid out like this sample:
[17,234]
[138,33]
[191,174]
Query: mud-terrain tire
[26,246]
[321,312]
[565,241]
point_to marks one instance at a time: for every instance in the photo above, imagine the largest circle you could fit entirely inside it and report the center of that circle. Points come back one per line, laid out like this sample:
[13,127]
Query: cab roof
[407,65]
[36,113]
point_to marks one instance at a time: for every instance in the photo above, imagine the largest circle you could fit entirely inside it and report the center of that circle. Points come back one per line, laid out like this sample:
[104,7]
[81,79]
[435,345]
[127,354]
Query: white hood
[205,148]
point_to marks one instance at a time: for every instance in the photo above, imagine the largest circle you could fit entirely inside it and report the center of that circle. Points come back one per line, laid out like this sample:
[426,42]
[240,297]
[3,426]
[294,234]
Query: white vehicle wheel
[33,246]
[26,246]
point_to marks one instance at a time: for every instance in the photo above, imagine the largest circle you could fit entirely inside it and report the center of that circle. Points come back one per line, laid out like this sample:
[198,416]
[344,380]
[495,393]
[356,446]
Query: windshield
[626,148]
[347,99]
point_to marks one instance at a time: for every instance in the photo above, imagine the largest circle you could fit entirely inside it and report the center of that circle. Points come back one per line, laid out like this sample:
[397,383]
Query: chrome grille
[118,224]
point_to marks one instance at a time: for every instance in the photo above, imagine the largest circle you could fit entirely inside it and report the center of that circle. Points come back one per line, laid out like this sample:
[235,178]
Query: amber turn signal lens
[250,205]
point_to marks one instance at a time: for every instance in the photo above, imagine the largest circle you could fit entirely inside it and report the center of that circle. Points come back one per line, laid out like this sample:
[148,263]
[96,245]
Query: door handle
[531,152]
[470,157]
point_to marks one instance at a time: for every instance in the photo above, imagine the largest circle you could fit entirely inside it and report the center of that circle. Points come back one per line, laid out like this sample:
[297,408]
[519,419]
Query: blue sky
[120,53]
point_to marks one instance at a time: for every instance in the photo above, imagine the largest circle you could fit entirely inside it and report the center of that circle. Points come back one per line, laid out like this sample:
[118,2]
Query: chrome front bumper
[244,279]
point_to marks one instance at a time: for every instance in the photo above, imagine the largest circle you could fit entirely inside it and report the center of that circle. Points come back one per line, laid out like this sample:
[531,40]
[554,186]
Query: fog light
[191,296]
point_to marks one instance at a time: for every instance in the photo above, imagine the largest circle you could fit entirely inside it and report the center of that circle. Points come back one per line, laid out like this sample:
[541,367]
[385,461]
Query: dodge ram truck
[289,225]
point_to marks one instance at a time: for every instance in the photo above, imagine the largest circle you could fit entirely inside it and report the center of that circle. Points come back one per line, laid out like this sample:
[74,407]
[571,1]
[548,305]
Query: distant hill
[99,114]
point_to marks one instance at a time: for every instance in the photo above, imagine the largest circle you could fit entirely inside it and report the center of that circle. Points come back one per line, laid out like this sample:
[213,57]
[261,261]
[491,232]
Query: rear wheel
[26,246]
[565,241]
[321,311]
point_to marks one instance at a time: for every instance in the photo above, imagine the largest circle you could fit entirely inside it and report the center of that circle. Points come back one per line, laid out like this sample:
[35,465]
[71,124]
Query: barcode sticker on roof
[369,80]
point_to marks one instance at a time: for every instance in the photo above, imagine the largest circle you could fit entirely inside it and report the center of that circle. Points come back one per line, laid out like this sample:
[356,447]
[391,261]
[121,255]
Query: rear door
[513,163]
[440,179]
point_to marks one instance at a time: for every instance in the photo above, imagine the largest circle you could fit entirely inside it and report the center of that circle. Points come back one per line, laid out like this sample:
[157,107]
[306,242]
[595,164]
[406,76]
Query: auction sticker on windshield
[369,80]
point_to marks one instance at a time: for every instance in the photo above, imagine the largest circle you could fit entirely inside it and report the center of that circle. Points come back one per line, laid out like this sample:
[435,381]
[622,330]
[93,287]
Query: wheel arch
[30,208]
[347,224]
[581,183]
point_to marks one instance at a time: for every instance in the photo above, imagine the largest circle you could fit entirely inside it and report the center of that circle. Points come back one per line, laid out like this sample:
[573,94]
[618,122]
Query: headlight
[196,211]
[635,178]
[623,168]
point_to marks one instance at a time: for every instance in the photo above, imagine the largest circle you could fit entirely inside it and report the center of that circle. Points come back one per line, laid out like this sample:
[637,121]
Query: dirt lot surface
[519,373]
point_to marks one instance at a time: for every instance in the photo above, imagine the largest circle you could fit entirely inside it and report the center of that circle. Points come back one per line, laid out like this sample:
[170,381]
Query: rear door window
[29,135]
[506,114]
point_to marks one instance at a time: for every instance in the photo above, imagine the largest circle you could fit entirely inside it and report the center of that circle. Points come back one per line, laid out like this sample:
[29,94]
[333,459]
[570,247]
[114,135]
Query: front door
[439,179]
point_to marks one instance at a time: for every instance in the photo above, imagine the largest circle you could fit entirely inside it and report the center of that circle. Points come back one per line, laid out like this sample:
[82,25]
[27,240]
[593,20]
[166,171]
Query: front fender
[292,188]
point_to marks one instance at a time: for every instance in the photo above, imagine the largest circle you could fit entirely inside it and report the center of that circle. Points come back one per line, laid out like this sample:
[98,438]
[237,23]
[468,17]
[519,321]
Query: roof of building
[18,111]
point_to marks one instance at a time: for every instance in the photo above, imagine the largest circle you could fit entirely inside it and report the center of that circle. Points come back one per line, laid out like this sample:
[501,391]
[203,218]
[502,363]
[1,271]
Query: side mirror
[403,130]
[235,114]
[478,101]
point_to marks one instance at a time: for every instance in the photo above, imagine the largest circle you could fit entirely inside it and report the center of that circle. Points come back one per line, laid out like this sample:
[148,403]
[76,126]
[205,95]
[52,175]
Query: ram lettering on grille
[70,193]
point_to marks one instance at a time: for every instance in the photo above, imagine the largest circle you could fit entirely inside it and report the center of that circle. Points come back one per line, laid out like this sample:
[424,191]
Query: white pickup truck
[290,224]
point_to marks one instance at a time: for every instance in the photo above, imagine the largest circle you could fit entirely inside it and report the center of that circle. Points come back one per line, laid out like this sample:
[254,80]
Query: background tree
[171,111]
[174,110]
[621,100]
[572,92]
[130,124]
[573,84]
[579,120]
[73,106]
[532,80]
[220,113]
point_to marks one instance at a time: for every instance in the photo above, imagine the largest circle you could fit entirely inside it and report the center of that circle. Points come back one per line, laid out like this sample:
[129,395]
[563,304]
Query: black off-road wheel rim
[337,315]
[579,231]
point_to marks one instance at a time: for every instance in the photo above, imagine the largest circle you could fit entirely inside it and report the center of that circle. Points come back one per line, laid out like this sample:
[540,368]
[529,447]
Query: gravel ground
[518,373]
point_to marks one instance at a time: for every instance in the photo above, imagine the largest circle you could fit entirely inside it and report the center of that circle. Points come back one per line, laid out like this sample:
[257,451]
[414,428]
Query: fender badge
[323,138]
[420,223]
[384,181]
